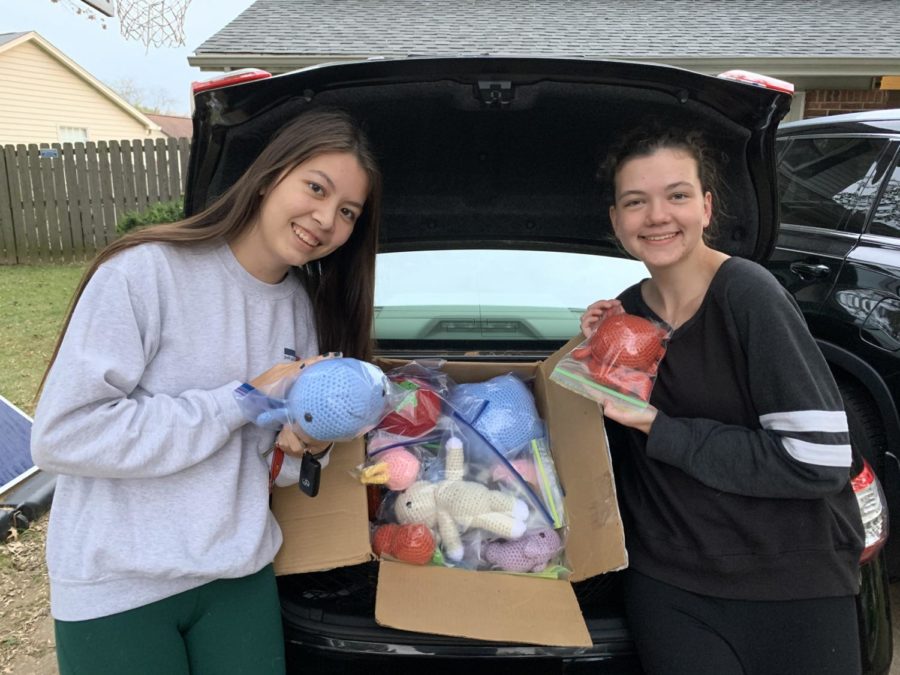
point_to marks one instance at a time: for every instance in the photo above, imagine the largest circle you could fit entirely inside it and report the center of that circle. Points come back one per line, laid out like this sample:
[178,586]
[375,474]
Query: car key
[310,472]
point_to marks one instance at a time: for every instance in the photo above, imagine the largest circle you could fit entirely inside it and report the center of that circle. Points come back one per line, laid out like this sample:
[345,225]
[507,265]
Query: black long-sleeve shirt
[741,489]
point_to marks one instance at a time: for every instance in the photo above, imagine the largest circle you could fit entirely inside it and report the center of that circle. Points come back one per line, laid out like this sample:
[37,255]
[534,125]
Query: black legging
[681,633]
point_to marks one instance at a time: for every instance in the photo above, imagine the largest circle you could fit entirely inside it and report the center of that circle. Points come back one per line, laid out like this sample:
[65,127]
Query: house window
[73,135]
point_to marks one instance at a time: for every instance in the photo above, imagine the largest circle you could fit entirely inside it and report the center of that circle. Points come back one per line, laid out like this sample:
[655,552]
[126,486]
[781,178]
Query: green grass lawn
[33,303]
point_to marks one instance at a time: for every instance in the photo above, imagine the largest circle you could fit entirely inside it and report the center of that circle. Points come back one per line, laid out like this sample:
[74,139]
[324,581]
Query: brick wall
[823,102]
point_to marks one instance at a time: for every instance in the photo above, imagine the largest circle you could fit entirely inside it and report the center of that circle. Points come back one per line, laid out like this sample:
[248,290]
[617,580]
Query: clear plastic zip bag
[618,363]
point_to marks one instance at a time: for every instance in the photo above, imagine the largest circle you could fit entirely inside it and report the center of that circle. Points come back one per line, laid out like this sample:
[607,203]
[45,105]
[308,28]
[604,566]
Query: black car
[838,253]
[493,238]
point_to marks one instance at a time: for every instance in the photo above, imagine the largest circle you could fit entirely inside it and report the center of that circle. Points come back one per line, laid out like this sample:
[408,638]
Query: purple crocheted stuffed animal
[531,553]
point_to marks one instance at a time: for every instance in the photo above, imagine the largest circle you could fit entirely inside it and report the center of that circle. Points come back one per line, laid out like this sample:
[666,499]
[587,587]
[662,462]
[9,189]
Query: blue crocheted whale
[333,400]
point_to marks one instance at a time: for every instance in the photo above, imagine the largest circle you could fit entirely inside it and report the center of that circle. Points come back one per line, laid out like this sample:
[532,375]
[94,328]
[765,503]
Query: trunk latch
[495,93]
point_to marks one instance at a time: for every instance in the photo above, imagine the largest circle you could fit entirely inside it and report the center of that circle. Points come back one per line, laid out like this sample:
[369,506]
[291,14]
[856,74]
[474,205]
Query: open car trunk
[489,153]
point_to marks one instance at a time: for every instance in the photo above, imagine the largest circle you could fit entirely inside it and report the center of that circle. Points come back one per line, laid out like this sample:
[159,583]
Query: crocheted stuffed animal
[624,353]
[417,413]
[411,543]
[523,468]
[395,468]
[334,399]
[453,506]
[531,553]
[506,416]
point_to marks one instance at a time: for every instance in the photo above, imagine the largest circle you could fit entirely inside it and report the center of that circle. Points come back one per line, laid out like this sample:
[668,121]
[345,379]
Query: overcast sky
[162,72]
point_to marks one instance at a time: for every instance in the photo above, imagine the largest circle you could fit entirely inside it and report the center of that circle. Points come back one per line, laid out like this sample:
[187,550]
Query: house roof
[9,37]
[174,126]
[11,40]
[802,34]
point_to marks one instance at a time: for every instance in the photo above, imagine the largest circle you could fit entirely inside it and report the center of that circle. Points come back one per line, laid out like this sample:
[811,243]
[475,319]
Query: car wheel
[866,428]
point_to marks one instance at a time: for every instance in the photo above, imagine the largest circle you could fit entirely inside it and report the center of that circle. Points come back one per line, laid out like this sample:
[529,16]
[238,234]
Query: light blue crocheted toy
[508,418]
[334,400]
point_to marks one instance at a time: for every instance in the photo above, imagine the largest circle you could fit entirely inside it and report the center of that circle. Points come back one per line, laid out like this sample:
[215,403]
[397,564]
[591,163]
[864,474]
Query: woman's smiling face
[309,212]
[660,209]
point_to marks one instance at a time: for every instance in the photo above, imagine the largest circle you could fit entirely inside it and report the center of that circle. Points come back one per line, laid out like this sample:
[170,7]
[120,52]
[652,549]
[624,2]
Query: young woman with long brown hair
[161,540]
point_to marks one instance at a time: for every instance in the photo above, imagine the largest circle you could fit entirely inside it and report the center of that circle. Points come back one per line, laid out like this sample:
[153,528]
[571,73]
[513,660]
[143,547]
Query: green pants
[226,626]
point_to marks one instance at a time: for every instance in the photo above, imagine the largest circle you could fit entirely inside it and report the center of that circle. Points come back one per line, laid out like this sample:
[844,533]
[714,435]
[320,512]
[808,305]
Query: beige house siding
[41,94]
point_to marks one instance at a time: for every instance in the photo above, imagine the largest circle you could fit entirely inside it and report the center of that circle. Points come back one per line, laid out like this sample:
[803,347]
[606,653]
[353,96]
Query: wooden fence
[60,203]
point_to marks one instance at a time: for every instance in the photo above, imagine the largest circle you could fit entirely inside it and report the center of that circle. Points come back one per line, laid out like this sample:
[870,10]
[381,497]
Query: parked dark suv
[838,252]
[494,239]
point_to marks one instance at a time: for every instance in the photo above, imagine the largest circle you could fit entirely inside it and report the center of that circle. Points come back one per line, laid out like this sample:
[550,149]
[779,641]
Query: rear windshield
[502,300]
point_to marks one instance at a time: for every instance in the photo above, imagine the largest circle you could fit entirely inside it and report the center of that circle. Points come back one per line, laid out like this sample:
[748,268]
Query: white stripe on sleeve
[829,421]
[817,453]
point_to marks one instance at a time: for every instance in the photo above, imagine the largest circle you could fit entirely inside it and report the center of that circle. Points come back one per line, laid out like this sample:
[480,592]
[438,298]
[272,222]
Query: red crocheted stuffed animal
[412,543]
[624,353]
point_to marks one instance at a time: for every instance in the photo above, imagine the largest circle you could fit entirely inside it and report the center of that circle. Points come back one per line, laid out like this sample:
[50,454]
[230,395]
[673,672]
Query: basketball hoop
[153,22]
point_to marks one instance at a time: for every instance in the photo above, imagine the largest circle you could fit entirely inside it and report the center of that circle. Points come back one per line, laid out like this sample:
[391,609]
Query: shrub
[161,212]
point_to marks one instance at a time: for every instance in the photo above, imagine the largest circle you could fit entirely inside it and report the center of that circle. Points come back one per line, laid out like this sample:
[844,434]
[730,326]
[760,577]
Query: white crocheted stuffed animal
[453,506]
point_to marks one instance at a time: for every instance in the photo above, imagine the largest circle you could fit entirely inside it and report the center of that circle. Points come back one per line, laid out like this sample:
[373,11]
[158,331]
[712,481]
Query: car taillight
[758,80]
[872,507]
[233,77]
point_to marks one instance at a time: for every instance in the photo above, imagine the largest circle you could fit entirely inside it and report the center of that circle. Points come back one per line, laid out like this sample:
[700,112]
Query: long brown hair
[341,285]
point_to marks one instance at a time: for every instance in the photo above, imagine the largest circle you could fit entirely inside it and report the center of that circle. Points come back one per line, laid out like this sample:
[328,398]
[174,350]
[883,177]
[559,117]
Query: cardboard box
[332,530]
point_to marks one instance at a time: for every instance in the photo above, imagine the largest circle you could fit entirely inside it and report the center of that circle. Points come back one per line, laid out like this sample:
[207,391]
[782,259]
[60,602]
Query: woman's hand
[285,372]
[297,444]
[636,418]
[594,313]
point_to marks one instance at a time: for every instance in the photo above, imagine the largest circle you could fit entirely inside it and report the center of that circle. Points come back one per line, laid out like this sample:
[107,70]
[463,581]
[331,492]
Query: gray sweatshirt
[162,484]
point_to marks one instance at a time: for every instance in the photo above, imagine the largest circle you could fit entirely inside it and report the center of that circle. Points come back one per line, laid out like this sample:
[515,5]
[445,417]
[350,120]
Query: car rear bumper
[330,627]
[316,647]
